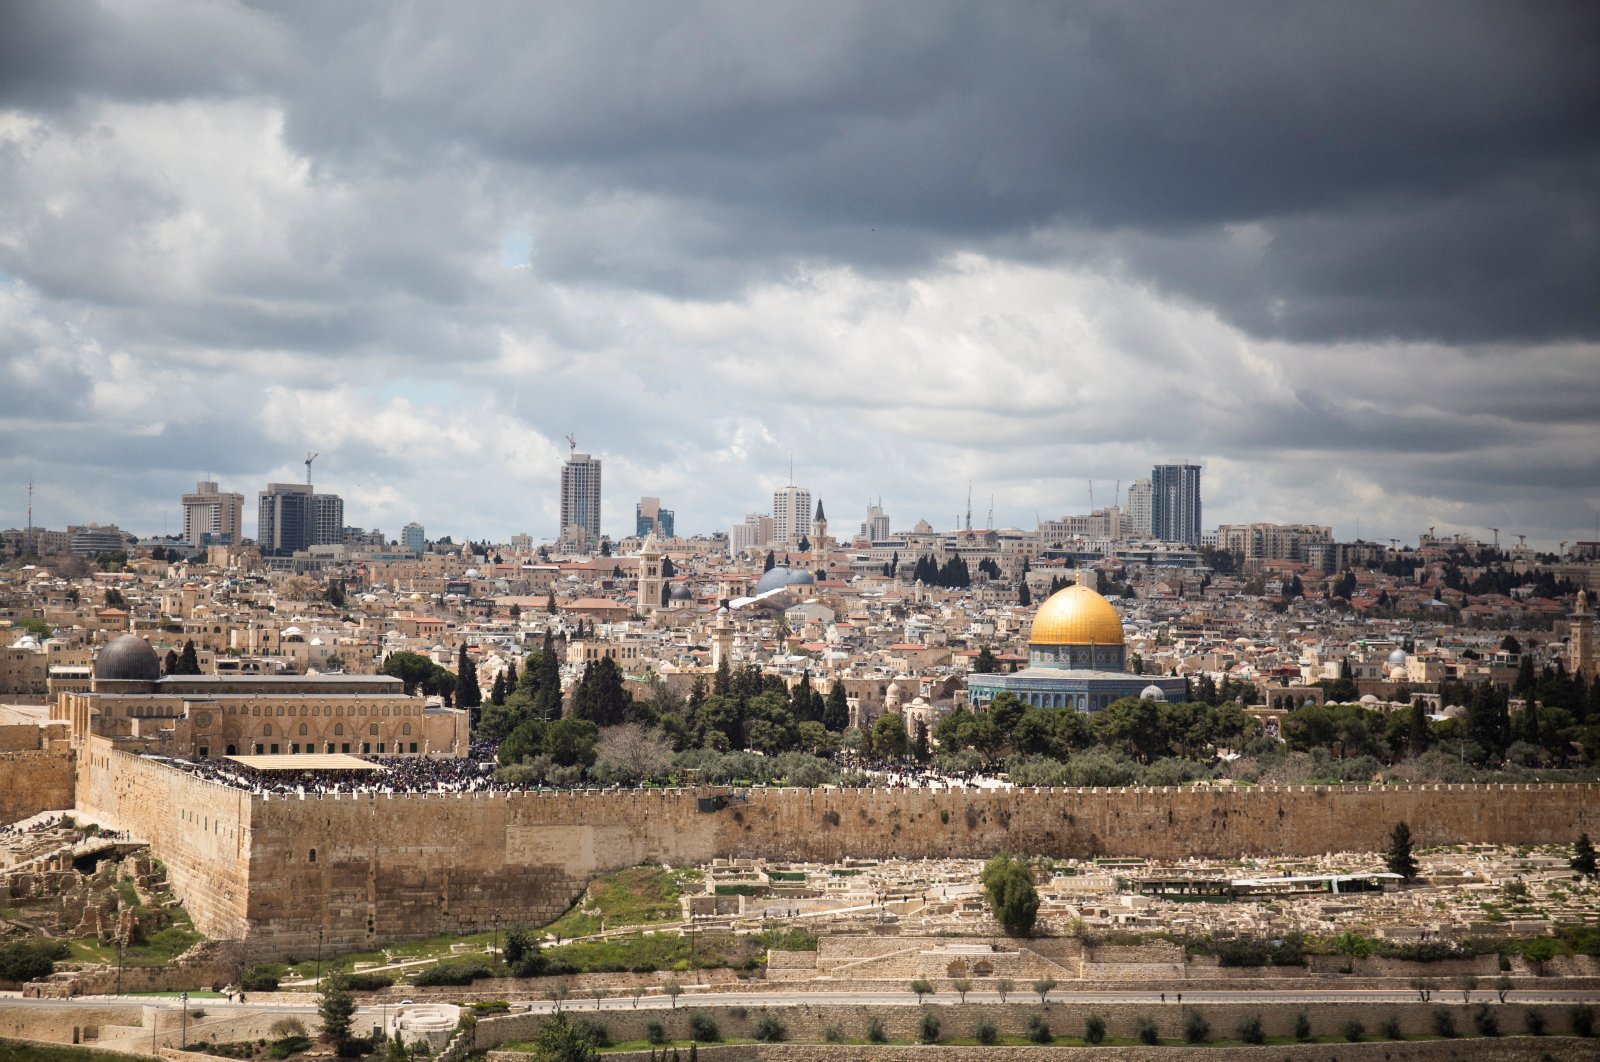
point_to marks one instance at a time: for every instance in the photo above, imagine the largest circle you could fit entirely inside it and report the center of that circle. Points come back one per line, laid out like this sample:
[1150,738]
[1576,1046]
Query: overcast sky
[1346,255]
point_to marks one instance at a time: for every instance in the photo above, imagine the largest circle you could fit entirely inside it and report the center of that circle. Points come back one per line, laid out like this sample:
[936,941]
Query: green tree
[1008,886]
[188,660]
[836,708]
[770,563]
[412,669]
[336,1007]
[986,664]
[1398,857]
[561,1041]
[468,695]
[922,987]
[1419,735]
[889,740]
[170,663]
[1583,857]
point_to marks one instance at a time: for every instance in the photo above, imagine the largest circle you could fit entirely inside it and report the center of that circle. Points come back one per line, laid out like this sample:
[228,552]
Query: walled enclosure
[375,869]
[32,781]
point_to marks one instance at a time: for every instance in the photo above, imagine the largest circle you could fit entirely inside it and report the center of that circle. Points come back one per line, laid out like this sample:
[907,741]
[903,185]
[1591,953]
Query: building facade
[212,517]
[791,515]
[650,518]
[414,537]
[580,495]
[1136,520]
[1175,503]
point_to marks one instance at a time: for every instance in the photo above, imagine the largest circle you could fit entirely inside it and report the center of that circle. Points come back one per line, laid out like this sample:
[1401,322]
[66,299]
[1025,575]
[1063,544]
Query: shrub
[1196,1030]
[1250,1030]
[986,1033]
[367,982]
[30,960]
[595,1032]
[1390,1029]
[875,1033]
[461,971]
[701,1027]
[1533,1021]
[655,1032]
[928,1028]
[1486,1021]
[285,1027]
[1302,1026]
[1582,1021]
[1444,1023]
[833,1034]
[770,1030]
[288,1045]
[1147,1031]
[1354,1031]
[1094,1029]
[1038,1031]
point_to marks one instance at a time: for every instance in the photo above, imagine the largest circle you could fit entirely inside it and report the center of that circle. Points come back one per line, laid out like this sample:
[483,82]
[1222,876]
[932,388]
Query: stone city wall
[199,829]
[374,869]
[34,780]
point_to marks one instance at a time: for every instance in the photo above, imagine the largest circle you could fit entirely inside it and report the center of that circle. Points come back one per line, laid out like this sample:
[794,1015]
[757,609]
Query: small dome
[1152,692]
[1397,657]
[1370,698]
[470,573]
[780,577]
[128,659]
[680,592]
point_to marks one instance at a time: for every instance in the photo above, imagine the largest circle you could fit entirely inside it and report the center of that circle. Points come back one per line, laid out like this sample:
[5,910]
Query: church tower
[722,640]
[650,580]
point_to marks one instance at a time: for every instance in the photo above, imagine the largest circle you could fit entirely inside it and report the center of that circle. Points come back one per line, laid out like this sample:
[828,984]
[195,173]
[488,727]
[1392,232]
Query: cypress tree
[468,693]
[188,661]
[1024,598]
[1399,858]
[1419,735]
[836,710]
[497,692]
[170,664]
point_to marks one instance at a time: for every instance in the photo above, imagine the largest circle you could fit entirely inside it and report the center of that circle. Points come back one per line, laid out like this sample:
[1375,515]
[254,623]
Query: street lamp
[497,932]
[183,1035]
[319,958]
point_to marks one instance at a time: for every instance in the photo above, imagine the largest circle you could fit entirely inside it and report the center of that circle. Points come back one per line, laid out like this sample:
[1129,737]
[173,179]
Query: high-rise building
[876,526]
[414,538]
[291,517]
[211,517]
[649,517]
[791,514]
[1175,503]
[1136,519]
[580,495]
[89,539]
[754,532]
[327,520]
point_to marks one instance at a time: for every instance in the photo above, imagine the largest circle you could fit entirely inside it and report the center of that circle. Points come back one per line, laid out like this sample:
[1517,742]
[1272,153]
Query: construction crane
[1496,531]
[1522,541]
[1563,552]
[310,458]
[572,443]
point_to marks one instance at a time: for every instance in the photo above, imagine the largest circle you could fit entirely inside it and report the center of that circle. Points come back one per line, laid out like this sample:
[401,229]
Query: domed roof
[780,577]
[680,592]
[1152,692]
[1397,657]
[1076,615]
[128,659]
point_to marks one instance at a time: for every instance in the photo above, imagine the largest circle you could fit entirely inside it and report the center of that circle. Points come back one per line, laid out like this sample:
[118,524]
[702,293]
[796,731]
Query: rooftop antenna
[791,470]
[310,458]
[969,505]
[30,514]
[1091,495]
[990,525]
[1116,498]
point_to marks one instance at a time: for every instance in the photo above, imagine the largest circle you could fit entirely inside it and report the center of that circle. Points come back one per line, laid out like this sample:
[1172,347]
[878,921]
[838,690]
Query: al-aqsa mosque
[1076,659]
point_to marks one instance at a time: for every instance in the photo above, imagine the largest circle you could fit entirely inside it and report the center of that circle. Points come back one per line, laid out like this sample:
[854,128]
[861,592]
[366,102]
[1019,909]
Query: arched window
[373,729]
[266,730]
[313,858]
[304,730]
[406,729]
[338,730]
[231,751]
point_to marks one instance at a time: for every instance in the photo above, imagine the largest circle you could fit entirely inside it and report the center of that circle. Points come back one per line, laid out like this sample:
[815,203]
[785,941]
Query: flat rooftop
[320,761]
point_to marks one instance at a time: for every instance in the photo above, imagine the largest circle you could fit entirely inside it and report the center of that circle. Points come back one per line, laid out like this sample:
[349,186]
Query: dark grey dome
[680,592]
[780,577]
[128,659]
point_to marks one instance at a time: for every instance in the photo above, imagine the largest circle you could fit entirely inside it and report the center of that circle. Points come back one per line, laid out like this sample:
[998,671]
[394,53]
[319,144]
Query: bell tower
[650,579]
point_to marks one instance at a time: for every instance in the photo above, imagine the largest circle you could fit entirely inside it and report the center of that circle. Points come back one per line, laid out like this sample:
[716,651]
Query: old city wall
[1156,823]
[371,869]
[34,780]
[199,829]
[366,870]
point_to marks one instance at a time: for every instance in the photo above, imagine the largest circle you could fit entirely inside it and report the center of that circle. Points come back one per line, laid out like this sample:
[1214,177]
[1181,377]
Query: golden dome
[1076,616]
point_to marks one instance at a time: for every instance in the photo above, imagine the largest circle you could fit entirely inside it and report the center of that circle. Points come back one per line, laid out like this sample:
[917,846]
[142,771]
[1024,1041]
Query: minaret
[722,640]
[650,581]
[819,538]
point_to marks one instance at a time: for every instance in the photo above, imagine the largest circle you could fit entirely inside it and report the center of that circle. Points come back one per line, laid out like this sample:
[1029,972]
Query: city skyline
[1335,255]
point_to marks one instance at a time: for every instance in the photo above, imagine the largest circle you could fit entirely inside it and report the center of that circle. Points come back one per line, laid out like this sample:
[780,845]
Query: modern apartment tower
[1175,503]
[649,517]
[1136,518]
[580,496]
[791,514]
[211,516]
[414,537]
[291,517]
